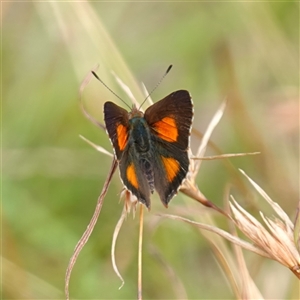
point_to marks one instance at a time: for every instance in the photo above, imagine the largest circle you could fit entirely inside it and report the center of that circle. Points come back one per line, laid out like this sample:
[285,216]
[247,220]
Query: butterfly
[152,147]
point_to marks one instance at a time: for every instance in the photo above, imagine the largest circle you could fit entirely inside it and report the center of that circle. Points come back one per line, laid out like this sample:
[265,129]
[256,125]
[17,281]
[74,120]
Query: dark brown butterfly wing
[117,126]
[170,120]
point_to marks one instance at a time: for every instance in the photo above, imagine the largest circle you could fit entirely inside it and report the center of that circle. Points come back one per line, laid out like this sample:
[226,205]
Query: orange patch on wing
[122,136]
[171,166]
[166,129]
[131,176]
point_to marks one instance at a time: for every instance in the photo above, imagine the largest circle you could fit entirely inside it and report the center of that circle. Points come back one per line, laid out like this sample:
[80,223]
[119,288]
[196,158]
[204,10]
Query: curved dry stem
[83,240]
[98,148]
[228,155]
[140,297]
[222,233]
[280,212]
[213,123]
[126,89]
[113,244]
[192,191]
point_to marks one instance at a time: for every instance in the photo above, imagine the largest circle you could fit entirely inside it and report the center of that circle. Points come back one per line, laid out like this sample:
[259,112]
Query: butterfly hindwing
[133,176]
[170,168]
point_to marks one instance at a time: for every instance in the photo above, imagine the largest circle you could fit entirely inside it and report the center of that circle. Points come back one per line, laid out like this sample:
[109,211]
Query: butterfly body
[152,148]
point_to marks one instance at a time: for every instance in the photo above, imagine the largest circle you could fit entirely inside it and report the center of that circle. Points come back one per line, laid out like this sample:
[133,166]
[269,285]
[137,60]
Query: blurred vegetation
[247,52]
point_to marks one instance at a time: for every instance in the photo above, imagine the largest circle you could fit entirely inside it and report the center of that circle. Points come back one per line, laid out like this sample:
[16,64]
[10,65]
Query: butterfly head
[135,113]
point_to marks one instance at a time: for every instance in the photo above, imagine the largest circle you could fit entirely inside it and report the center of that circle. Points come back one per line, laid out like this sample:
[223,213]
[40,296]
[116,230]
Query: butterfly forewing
[171,118]
[117,125]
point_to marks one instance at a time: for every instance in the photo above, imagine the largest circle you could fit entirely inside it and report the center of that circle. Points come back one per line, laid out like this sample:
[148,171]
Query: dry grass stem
[220,232]
[98,148]
[126,89]
[113,244]
[203,145]
[84,238]
[130,202]
[140,249]
[189,187]
[146,94]
[228,155]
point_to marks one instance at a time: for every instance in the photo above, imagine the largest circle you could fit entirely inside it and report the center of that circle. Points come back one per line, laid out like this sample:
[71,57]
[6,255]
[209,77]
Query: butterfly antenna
[110,89]
[168,70]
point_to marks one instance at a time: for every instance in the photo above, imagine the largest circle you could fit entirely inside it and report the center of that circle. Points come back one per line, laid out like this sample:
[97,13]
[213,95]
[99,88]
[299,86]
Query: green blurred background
[247,52]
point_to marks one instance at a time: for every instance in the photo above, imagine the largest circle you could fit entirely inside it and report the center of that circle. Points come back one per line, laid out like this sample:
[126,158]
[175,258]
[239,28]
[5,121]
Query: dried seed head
[275,235]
